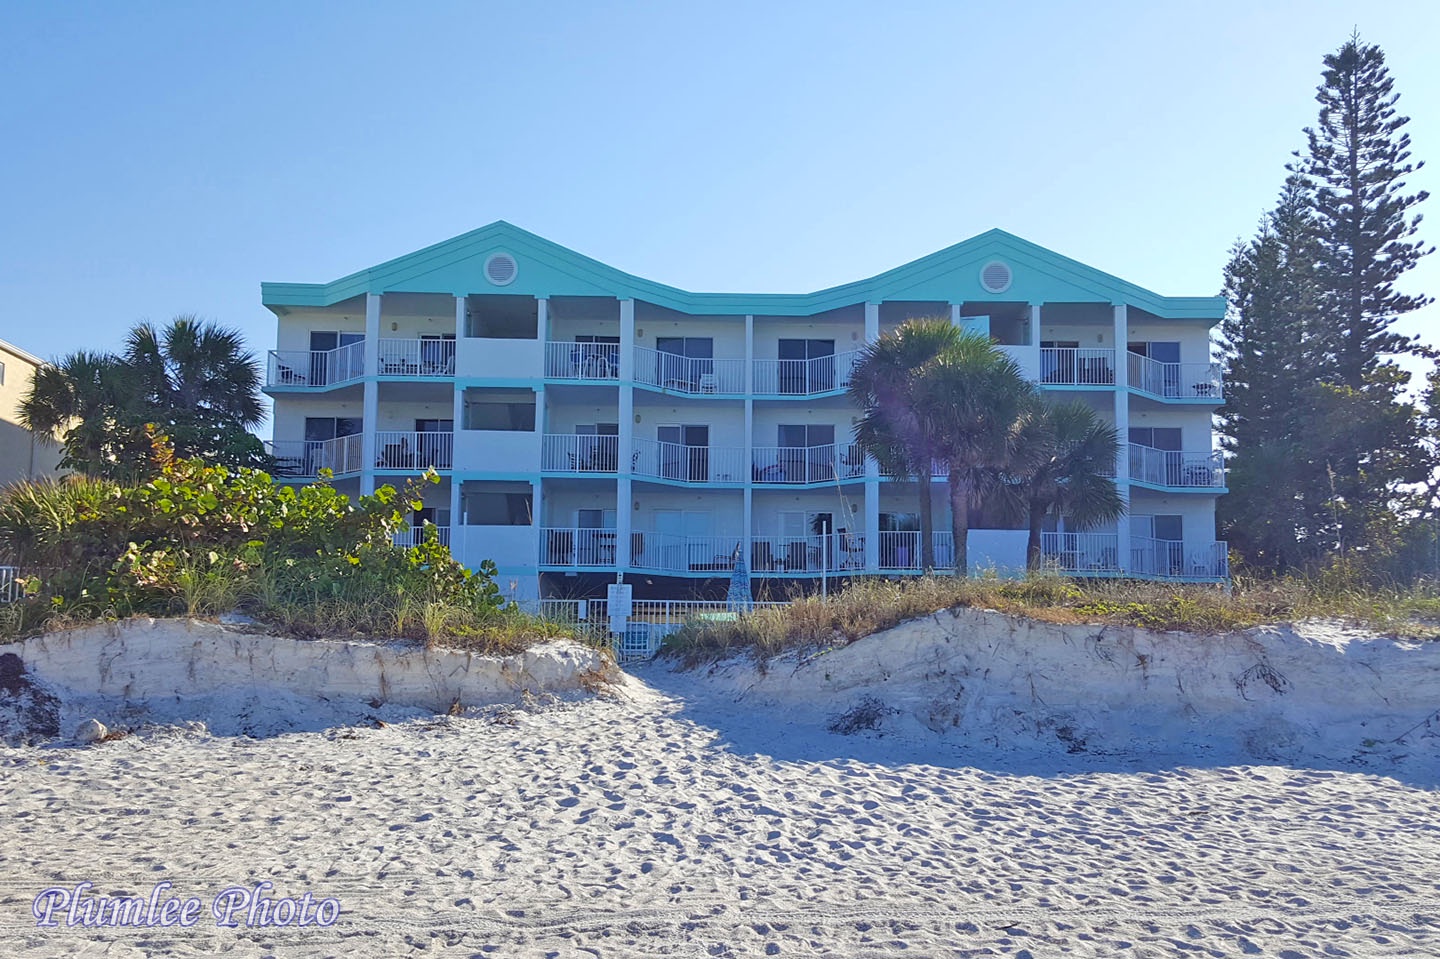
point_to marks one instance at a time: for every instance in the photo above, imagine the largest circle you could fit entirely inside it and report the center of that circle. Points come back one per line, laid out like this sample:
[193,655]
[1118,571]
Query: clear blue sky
[166,158]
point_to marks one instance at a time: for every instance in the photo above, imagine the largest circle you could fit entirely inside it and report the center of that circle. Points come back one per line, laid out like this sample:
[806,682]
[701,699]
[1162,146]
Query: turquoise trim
[455,267]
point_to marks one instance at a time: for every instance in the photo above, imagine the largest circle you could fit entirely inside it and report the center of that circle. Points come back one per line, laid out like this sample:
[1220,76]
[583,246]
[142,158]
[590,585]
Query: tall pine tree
[1357,159]
[1266,341]
[1326,449]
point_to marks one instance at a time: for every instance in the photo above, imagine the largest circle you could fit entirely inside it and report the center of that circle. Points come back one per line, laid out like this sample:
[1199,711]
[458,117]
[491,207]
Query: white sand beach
[680,817]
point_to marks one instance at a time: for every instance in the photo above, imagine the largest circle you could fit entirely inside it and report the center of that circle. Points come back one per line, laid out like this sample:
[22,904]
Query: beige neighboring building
[22,453]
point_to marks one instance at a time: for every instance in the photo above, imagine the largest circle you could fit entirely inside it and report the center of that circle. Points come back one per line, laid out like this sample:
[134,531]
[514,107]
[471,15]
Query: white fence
[820,374]
[306,458]
[1175,469]
[807,464]
[1087,553]
[409,450]
[689,464]
[1068,366]
[1190,381]
[650,620]
[582,361]
[412,357]
[580,453]
[685,374]
[416,535]
[316,368]
[9,584]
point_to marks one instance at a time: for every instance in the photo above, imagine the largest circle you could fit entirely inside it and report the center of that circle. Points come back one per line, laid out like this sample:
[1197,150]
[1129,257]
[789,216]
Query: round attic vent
[500,269]
[995,277]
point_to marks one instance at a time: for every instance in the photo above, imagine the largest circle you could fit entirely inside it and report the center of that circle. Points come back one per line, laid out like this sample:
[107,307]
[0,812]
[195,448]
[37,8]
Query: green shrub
[202,540]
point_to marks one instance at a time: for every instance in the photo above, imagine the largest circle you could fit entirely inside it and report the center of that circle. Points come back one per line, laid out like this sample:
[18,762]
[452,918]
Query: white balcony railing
[900,550]
[575,546]
[408,450]
[1175,559]
[9,584]
[416,535]
[306,458]
[1176,469]
[819,374]
[684,374]
[417,357]
[831,552]
[672,553]
[1186,381]
[573,453]
[582,361]
[689,464]
[316,368]
[1082,552]
[938,470]
[784,465]
[1070,366]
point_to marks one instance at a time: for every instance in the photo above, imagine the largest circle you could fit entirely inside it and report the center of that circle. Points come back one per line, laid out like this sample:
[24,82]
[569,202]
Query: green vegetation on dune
[872,605]
[202,540]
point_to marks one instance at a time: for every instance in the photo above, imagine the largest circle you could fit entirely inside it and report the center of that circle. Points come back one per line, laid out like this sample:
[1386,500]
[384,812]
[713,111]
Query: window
[1156,437]
[803,366]
[684,452]
[504,410]
[497,504]
[806,453]
[2,373]
[683,360]
[328,366]
[502,317]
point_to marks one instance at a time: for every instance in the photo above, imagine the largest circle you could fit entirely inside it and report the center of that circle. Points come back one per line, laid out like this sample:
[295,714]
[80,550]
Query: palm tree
[194,380]
[1068,467]
[970,399]
[89,402]
[885,384]
[202,384]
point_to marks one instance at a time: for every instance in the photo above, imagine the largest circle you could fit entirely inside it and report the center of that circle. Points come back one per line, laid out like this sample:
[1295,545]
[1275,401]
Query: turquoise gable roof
[455,266]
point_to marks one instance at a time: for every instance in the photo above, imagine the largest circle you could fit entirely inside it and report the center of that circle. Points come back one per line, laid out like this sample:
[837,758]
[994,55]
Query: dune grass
[869,606]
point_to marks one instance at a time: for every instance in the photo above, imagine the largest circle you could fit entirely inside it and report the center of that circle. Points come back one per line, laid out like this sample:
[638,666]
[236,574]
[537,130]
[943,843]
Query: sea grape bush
[204,539]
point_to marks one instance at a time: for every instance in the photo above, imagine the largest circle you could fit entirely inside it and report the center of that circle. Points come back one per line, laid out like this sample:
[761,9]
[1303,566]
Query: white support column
[749,355]
[872,523]
[624,521]
[1122,427]
[872,322]
[954,314]
[1034,326]
[370,408]
[542,318]
[459,318]
[458,417]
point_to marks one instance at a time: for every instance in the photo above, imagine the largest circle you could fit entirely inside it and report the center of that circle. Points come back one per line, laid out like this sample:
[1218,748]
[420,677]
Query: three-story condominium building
[587,422]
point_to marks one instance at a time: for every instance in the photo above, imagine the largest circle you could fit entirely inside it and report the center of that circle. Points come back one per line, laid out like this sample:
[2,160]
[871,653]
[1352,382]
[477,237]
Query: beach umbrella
[739,599]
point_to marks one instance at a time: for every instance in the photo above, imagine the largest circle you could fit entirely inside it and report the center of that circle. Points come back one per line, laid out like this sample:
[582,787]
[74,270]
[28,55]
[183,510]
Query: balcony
[689,464]
[1084,554]
[411,451]
[416,535]
[572,453]
[574,547]
[794,465]
[900,550]
[1072,366]
[673,553]
[691,375]
[315,369]
[582,361]
[1174,559]
[304,459]
[827,553]
[416,358]
[1177,470]
[821,374]
[1175,381]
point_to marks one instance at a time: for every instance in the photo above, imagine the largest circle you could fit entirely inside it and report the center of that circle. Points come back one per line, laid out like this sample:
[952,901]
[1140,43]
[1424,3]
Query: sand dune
[659,822]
